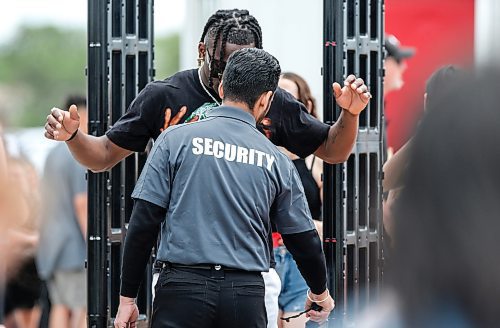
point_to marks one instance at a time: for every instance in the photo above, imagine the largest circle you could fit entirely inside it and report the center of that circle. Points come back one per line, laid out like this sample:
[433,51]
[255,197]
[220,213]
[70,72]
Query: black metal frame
[120,57]
[120,63]
[352,191]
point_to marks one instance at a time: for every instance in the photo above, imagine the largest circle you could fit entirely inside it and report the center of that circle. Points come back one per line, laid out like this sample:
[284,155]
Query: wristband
[309,297]
[73,135]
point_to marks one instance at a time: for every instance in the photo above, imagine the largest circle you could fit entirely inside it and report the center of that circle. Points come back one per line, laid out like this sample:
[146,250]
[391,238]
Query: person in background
[19,244]
[293,286]
[62,251]
[445,267]
[396,166]
[299,89]
[5,223]
[395,66]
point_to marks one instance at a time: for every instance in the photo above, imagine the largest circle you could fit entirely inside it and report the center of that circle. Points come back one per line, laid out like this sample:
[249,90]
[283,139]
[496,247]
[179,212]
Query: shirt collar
[232,112]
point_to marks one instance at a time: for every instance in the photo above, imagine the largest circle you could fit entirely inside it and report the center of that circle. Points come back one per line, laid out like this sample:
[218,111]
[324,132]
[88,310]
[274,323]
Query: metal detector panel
[353,36]
[120,64]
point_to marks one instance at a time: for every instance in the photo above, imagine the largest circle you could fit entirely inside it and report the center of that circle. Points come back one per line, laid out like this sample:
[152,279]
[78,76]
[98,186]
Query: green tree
[167,49]
[43,65]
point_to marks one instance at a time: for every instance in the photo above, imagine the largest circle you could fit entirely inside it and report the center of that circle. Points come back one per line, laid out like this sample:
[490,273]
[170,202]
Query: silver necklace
[205,88]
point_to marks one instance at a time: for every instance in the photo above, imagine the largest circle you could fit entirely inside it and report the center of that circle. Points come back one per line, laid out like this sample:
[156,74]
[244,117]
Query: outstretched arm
[352,98]
[96,153]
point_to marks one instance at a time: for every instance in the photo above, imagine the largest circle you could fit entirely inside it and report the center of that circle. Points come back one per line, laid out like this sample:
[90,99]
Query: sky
[73,13]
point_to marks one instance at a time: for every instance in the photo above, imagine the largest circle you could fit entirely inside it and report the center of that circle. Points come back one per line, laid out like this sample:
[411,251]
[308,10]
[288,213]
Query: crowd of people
[252,255]
[43,230]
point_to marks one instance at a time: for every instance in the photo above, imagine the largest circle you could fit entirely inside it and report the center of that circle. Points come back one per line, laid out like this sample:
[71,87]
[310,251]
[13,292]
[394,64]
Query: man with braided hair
[192,93]
[213,255]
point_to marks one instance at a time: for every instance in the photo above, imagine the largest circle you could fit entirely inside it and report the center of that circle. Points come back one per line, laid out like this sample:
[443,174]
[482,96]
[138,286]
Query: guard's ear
[221,90]
[263,103]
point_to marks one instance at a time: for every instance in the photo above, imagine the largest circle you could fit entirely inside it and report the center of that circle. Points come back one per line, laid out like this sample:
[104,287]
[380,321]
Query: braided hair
[233,26]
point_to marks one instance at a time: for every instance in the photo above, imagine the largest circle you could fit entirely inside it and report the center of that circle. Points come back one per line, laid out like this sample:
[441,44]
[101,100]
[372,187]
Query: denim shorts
[293,287]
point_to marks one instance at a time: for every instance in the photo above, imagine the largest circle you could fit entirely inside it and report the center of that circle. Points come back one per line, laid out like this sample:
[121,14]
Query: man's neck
[205,82]
[241,105]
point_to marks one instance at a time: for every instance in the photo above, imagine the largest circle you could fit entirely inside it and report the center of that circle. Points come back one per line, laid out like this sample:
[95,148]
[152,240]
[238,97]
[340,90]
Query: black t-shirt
[287,124]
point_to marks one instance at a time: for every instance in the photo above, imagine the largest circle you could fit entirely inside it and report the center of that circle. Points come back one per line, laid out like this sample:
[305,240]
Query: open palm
[354,96]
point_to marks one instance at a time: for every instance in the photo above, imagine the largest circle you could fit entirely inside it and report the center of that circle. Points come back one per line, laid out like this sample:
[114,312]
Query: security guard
[214,186]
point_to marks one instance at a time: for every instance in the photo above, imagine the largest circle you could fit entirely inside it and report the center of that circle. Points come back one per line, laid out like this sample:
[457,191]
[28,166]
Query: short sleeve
[133,130]
[290,212]
[297,130]
[154,183]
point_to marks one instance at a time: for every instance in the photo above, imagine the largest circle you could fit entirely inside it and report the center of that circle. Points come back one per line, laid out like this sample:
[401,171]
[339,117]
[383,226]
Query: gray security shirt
[222,183]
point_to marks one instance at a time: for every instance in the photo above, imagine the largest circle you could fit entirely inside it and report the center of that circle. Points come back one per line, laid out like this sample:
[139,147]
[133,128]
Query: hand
[354,96]
[327,304]
[127,313]
[169,121]
[62,124]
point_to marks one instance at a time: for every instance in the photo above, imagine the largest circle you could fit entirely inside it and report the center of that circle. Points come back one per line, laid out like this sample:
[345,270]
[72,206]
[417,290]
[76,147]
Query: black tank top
[310,188]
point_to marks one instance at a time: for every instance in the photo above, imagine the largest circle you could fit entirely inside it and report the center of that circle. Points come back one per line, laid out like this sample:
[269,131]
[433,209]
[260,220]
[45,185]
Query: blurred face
[289,86]
[394,71]
[213,66]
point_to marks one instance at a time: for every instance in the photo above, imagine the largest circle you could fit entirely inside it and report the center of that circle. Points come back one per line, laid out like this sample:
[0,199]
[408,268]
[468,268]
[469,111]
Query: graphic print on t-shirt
[201,112]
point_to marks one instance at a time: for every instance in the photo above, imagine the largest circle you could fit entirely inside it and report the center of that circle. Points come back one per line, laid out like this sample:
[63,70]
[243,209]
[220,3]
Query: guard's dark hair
[445,257]
[249,73]
[233,26]
[78,100]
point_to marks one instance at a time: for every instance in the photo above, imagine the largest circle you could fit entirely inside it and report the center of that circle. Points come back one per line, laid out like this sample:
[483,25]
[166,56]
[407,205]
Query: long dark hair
[447,220]
[305,95]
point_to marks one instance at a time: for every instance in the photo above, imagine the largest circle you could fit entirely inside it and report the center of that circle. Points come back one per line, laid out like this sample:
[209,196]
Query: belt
[216,267]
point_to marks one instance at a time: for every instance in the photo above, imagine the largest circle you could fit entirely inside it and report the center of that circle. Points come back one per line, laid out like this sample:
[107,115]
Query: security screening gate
[353,231]
[120,64]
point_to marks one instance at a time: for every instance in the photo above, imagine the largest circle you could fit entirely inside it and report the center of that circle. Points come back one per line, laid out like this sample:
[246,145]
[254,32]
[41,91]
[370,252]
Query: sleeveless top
[310,188]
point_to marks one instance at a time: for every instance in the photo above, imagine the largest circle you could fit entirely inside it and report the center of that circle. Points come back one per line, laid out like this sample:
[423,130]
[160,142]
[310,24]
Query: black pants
[187,297]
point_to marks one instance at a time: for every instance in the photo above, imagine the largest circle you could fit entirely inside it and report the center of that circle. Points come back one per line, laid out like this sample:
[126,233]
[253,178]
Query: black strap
[314,307]
[312,164]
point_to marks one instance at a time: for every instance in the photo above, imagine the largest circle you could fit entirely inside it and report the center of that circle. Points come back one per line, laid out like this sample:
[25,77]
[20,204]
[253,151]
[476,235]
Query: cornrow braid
[255,28]
[211,21]
[217,35]
[234,26]
[225,35]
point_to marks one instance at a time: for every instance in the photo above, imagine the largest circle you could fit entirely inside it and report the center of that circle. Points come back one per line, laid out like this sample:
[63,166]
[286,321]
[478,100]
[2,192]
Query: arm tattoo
[340,126]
